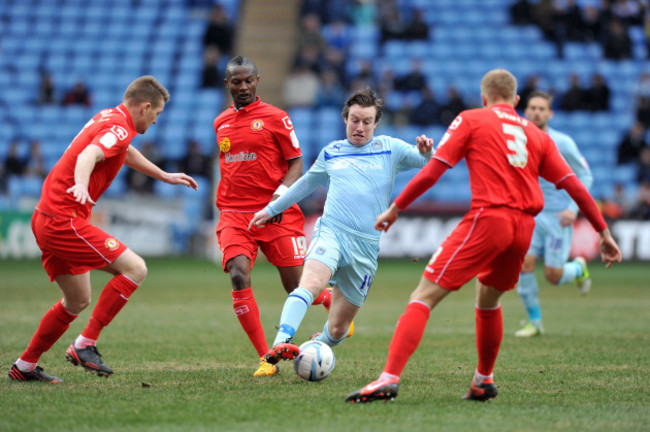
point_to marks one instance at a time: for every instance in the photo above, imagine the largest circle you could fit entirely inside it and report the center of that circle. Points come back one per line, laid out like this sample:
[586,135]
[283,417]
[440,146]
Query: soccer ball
[315,361]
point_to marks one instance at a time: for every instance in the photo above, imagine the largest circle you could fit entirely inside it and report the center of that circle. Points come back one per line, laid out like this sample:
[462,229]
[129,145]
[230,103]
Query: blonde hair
[146,89]
[499,84]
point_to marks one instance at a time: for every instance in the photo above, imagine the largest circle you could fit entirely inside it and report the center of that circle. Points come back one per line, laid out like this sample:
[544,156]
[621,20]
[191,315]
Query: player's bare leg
[55,322]
[129,271]
[340,324]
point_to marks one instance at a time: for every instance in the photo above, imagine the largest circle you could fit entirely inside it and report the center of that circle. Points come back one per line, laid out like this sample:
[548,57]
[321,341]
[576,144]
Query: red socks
[112,299]
[325,298]
[489,332]
[407,336]
[248,315]
[53,324]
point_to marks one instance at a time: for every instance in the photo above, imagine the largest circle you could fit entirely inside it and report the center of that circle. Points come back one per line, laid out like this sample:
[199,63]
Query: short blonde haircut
[499,84]
[147,89]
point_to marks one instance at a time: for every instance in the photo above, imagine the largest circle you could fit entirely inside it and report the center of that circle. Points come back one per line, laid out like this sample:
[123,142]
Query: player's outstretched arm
[609,250]
[259,219]
[137,161]
[387,219]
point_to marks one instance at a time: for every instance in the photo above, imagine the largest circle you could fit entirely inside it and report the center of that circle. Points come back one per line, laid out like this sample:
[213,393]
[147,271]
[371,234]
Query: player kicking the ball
[360,172]
[505,155]
[71,246]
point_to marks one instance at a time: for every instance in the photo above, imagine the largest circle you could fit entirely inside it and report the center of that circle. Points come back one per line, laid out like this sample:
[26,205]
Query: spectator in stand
[414,81]
[365,77]
[14,165]
[598,94]
[219,32]
[593,24]
[642,96]
[573,21]
[138,181]
[617,43]
[427,112]
[362,12]
[532,84]
[642,207]
[629,12]
[549,19]
[453,107]
[311,37]
[330,92]
[301,87]
[391,24]
[78,95]
[46,90]
[35,164]
[210,76]
[520,13]
[417,28]
[643,176]
[574,99]
[631,145]
[195,163]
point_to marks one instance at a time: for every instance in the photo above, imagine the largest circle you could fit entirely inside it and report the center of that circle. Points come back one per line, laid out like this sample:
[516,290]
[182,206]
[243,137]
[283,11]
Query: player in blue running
[360,171]
[553,225]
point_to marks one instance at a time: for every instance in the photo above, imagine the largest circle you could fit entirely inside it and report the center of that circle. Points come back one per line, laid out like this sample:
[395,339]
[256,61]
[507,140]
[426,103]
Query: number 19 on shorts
[299,245]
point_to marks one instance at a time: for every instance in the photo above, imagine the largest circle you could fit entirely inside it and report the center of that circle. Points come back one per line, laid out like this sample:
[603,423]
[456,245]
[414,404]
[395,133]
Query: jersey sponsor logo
[257,125]
[360,165]
[106,112]
[120,132]
[240,157]
[224,145]
[111,243]
[287,122]
[457,121]
[294,140]
[108,140]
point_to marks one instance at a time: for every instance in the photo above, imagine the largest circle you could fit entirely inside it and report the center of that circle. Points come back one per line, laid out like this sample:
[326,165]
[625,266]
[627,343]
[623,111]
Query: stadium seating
[163,38]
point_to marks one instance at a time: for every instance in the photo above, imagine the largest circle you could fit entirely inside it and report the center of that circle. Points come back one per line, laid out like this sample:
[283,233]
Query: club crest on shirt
[111,243]
[377,145]
[224,145]
[257,125]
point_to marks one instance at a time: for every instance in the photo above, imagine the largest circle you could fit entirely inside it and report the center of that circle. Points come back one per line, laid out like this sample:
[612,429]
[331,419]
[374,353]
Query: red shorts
[73,245]
[282,241]
[488,242]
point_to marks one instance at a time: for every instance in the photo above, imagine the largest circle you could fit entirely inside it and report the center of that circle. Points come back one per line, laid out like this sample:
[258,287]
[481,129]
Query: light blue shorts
[352,259]
[551,240]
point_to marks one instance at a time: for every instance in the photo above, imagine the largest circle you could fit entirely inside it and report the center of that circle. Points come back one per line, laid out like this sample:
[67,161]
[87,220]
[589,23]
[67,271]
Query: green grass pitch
[183,363]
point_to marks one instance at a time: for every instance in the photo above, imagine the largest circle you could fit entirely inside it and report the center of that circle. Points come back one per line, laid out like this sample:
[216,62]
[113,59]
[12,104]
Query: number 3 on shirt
[520,158]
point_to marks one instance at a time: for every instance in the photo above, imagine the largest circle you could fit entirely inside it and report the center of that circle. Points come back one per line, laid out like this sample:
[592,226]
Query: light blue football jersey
[360,182]
[556,200]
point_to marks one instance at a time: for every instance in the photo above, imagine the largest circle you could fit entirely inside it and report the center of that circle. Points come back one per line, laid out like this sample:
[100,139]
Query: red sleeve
[112,139]
[452,146]
[585,202]
[286,136]
[553,168]
[422,181]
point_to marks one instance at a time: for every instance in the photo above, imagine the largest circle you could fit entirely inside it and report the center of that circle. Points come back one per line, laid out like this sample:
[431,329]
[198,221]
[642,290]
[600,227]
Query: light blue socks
[529,294]
[294,310]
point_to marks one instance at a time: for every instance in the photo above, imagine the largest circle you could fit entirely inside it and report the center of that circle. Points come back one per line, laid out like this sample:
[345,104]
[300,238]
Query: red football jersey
[112,131]
[255,143]
[505,155]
